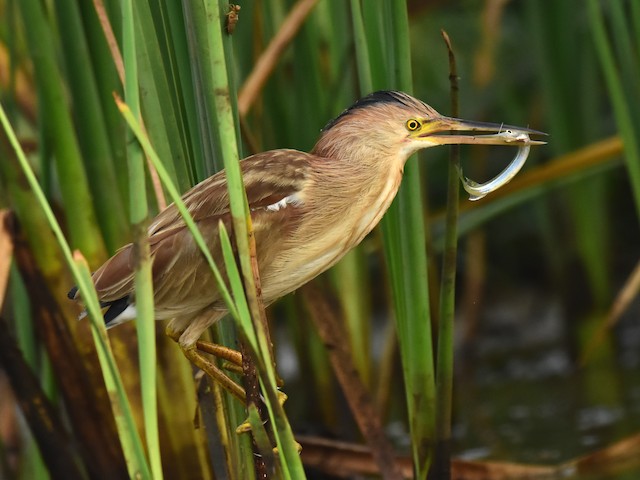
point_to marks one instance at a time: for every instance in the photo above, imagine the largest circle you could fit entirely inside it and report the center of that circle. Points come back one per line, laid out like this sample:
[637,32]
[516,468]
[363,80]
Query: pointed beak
[440,131]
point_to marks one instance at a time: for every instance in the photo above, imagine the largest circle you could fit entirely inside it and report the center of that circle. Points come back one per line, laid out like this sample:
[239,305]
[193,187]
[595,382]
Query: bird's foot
[298,447]
[214,372]
[233,358]
[232,362]
[191,352]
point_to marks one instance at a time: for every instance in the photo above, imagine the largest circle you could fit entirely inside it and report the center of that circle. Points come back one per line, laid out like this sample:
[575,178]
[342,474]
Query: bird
[308,210]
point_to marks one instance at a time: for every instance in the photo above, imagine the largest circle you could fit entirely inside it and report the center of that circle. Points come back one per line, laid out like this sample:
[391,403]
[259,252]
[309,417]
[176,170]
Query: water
[521,398]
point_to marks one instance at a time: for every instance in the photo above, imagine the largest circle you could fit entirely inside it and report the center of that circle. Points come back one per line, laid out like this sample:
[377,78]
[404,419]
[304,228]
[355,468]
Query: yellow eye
[413,125]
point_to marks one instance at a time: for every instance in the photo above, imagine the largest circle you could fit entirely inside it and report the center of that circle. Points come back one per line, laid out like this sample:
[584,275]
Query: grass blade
[289,458]
[405,239]
[163,173]
[131,444]
[59,129]
[621,104]
[286,443]
[145,314]
[90,125]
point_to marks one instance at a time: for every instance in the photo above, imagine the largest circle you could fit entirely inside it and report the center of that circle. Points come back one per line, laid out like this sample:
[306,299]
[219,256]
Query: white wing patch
[127,314]
[289,200]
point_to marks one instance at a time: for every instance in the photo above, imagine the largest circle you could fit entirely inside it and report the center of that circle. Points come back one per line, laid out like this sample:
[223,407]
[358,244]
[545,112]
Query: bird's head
[395,125]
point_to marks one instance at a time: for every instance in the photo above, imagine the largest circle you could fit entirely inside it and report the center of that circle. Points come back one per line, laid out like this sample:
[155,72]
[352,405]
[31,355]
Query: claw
[232,367]
[245,427]
[220,351]
[298,448]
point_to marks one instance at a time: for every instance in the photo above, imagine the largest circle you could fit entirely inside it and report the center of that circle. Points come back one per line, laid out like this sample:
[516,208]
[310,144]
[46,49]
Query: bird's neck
[368,175]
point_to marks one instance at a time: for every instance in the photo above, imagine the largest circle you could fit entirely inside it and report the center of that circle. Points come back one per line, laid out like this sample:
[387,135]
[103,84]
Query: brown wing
[269,177]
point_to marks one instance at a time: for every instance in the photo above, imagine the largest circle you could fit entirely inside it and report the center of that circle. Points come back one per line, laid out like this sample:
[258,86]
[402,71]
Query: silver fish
[478,190]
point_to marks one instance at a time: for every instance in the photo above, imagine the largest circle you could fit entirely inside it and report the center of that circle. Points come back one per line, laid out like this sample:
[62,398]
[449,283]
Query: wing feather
[269,177]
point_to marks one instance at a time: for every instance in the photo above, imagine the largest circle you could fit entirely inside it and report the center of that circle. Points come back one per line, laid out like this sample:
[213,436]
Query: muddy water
[521,397]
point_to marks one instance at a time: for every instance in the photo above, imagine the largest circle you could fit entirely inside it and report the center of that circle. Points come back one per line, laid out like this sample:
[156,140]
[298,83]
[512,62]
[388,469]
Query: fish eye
[413,125]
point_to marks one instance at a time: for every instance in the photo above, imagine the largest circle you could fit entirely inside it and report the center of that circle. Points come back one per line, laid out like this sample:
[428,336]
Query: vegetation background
[546,266]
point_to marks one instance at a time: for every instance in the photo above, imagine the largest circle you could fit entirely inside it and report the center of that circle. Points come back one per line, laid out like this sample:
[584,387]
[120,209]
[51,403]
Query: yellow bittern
[308,211]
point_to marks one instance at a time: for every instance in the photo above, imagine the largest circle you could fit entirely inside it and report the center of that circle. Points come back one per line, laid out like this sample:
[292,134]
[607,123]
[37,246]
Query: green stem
[289,457]
[362,50]
[91,126]
[290,460]
[165,177]
[143,280]
[620,102]
[444,364]
[58,128]
[405,239]
[131,444]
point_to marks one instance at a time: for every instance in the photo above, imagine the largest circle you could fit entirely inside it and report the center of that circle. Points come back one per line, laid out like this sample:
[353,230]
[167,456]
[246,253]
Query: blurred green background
[543,264]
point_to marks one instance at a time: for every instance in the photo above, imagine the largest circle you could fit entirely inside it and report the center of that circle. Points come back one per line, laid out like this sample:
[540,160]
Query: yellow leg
[214,372]
[187,338]
[232,367]
[208,367]
[233,357]
[220,351]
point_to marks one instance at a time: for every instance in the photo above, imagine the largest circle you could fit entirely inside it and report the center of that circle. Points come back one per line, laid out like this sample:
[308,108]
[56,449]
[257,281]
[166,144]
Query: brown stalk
[47,428]
[119,64]
[626,295]
[331,331]
[614,459]
[6,253]
[345,460]
[89,412]
[484,61]
[110,38]
[441,466]
[269,58]
[250,376]
[259,304]
[24,92]
[252,390]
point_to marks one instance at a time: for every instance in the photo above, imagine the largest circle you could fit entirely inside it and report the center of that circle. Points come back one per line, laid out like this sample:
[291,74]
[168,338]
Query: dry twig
[269,58]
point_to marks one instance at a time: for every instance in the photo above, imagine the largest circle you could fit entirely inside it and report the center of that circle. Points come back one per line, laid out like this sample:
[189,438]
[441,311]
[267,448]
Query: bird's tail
[114,308]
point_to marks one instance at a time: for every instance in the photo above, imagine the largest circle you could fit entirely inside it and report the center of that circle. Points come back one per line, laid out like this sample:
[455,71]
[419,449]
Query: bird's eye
[413,125]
